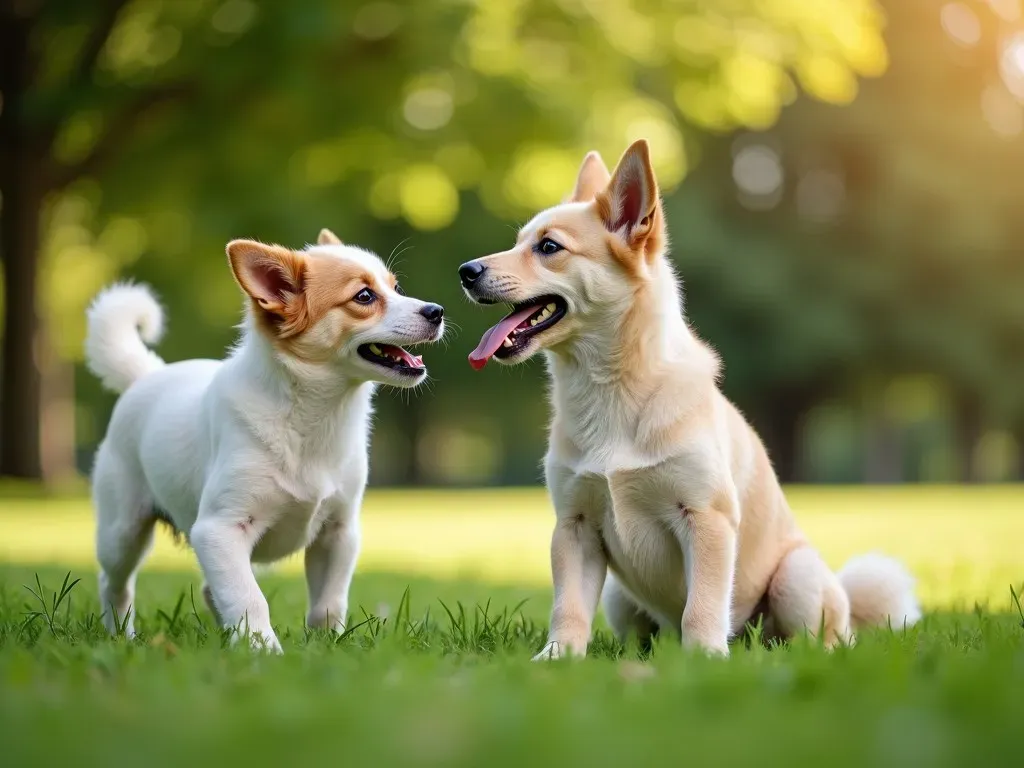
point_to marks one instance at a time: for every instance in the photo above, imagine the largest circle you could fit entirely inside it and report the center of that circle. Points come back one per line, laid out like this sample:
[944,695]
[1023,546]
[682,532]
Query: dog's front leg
[223,542]
[708,538]
[578,562]
[330,562]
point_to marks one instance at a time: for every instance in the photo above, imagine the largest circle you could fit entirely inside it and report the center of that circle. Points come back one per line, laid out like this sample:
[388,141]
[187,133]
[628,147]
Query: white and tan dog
[654,475]
[264,453]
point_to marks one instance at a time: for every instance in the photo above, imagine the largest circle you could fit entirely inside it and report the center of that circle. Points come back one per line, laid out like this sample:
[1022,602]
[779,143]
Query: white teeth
[550,308]
[545,314]
[507,342]
[534,321]
[375,349]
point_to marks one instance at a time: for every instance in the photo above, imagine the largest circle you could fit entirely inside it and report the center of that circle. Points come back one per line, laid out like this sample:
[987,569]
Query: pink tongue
[413,361]
[494,337]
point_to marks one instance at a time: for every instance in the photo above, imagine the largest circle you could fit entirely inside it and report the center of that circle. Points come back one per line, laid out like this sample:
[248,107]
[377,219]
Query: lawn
[451,599]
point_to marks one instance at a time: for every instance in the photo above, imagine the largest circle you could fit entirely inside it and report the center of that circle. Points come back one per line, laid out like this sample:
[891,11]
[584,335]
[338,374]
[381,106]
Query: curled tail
[881,592]
[122,320]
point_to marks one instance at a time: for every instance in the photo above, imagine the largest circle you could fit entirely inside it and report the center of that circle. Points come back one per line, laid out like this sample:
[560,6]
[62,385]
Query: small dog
[261,454]
[654,475]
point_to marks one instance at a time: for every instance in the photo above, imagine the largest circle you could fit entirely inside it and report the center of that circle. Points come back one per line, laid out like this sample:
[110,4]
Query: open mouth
[393,358]
[511,336]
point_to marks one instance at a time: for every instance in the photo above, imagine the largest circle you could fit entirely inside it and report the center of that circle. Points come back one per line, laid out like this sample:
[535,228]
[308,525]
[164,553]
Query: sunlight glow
[961,24]
[234,17]
[1007,10]
[428,108]
[1011,65]
[757,171]
[540,175]
[427,197]
[1003,113]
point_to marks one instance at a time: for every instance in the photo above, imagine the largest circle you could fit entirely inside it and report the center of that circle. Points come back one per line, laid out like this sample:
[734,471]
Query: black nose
[470,272]
[433,312]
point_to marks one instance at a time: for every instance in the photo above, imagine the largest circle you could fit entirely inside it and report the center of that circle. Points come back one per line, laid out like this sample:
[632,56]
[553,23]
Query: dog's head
[574,265]
[337,305]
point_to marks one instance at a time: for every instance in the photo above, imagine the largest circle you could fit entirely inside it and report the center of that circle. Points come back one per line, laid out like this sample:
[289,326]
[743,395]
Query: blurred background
[844,183]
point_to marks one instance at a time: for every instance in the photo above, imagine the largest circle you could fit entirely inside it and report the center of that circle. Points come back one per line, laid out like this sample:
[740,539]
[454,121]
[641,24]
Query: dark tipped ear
[629,203]
[328,238]
[270,274]
[593,177]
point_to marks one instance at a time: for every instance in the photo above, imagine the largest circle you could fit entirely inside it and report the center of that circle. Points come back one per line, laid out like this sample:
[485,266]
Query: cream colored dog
[654,475]
[264,453]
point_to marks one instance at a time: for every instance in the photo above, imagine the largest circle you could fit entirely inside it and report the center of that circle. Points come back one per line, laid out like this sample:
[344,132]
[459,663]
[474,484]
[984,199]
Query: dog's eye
[547,246]
[365,296]
[398,290]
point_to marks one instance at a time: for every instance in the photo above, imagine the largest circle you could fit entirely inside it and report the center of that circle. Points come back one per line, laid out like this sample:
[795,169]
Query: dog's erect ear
[630,203]
[593,177]
[271,275]
[328,238]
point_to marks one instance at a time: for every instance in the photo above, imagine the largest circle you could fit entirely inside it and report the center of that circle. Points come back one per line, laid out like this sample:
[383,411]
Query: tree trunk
[780,427]
[967,429]
[883,457]
[19,384]
[410,422]
[1019,435]
[56,411]
[22,188]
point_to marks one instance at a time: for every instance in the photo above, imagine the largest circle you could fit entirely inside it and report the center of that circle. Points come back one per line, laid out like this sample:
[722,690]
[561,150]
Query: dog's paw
[321,619]
[710,639]
[713,649]
[259,641]
[270,644]
[554,649]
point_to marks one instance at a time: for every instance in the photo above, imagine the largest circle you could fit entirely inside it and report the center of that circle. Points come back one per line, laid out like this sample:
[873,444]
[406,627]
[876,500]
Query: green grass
[450,602]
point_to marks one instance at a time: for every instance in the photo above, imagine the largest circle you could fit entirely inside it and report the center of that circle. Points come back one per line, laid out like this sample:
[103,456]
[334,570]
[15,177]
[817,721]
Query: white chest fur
[311,447]
[295,526]
[598,428]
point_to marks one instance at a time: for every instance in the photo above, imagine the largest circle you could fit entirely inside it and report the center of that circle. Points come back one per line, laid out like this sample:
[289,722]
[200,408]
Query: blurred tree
[164,128]
[878,241]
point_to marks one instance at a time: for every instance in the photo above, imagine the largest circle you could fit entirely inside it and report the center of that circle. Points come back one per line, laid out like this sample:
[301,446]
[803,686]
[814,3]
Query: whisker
[391,256]
[398,255]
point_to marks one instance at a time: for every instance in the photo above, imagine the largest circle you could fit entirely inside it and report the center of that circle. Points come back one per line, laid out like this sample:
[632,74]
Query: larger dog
[264,453]
[654,475]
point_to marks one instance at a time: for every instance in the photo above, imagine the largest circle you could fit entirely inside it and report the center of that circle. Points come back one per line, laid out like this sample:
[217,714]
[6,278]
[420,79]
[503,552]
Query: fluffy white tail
[122,320]
[881,592]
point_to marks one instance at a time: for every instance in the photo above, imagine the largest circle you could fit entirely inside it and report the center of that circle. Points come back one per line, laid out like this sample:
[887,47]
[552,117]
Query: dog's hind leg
[208,597]
[805,596]
[626,618]
[124,534]
[330,562]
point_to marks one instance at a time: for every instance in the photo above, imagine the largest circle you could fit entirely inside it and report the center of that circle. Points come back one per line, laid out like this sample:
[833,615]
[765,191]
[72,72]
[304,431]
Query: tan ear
[328,238]
[592,178]
[629,203]
[273,276]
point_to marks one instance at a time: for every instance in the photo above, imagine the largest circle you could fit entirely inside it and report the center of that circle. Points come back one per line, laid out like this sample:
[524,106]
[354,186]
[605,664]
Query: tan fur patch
[632,201]
[328,238]
[593,177]
[293,293]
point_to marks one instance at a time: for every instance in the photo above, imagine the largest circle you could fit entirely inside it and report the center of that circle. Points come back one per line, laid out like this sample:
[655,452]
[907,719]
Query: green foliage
[206,120]
[914,274]
[428,129]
